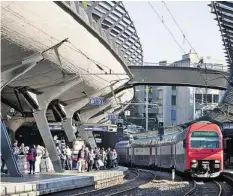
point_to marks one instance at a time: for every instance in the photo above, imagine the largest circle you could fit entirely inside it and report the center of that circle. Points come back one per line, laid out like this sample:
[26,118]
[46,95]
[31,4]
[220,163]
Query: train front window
[204,139]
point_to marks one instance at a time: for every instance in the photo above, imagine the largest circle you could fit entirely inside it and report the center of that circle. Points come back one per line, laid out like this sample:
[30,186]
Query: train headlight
[217,161]
[193,163]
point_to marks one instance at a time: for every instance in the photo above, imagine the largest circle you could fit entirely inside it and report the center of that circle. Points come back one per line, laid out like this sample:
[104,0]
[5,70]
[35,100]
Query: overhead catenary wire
[185,37]
[161,19]
[183,34]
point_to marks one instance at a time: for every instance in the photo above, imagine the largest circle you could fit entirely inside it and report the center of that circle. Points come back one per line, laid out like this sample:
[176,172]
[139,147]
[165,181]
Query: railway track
[210,188]
[126,188]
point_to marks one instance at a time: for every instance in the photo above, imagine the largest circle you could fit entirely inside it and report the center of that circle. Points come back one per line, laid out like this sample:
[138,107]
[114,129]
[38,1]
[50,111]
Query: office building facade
[183,104]
[138,111]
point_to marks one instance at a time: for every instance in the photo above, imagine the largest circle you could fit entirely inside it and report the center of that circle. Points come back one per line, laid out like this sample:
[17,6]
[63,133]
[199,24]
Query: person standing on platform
[23,152]
[39,152]
[44,161]
[32,158]
[81,161]
[97,158]
[86,158]
[3,164]
[103,156]
[114,158]
[108,158]
[91,157]
[15,149]
[68,154]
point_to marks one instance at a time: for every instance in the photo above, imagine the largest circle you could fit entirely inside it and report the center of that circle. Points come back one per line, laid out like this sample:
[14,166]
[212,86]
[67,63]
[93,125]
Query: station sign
[55,126]
[103,128]
[96,101]
[120,120]
[98,140]
[112,117]
[127,113]
[227,125]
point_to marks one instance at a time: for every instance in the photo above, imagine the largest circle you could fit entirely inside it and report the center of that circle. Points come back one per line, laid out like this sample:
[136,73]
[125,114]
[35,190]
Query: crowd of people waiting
[86,159]
[31,158]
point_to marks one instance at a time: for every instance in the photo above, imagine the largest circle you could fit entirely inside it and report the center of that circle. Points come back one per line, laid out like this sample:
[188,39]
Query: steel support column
[67,125]
[7,153]
[42,124]
[70,110]
[41,120]
[87,136]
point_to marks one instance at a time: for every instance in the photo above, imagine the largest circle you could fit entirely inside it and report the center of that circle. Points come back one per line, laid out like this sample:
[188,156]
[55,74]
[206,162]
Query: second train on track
[198,150]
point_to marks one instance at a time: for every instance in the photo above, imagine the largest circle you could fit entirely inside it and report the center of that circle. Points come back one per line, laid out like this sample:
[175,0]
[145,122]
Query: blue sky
[193,17]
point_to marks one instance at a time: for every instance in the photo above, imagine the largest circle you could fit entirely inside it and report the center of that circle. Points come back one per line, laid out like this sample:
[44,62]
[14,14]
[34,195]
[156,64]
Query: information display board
[204,134]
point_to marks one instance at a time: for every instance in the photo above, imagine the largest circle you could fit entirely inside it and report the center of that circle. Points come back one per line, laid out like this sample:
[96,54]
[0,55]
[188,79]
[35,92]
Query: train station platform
[46,183]
[228,171]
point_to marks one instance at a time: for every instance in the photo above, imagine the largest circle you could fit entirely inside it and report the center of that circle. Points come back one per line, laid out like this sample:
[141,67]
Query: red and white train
[197,150]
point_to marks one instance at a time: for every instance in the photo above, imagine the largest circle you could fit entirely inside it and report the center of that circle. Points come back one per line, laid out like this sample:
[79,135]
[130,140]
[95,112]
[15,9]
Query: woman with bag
[32,159]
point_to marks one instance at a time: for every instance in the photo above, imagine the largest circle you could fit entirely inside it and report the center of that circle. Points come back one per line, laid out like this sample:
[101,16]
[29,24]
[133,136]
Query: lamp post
[147,89]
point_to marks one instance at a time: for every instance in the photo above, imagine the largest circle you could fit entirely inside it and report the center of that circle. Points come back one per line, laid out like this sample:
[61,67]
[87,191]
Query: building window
[216,98]
[198,98]
[209,98]
[204,98]
[173,100]
[173,87]
[173,114]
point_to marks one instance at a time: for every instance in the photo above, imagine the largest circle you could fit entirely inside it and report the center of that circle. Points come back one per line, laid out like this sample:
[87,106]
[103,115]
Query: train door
[159,156]
[130,154]
[180,156]
[132,151]
[153,156]
[150,156]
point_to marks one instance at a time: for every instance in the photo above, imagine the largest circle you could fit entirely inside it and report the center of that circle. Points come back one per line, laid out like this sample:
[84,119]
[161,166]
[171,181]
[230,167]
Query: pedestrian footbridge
[178,76]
